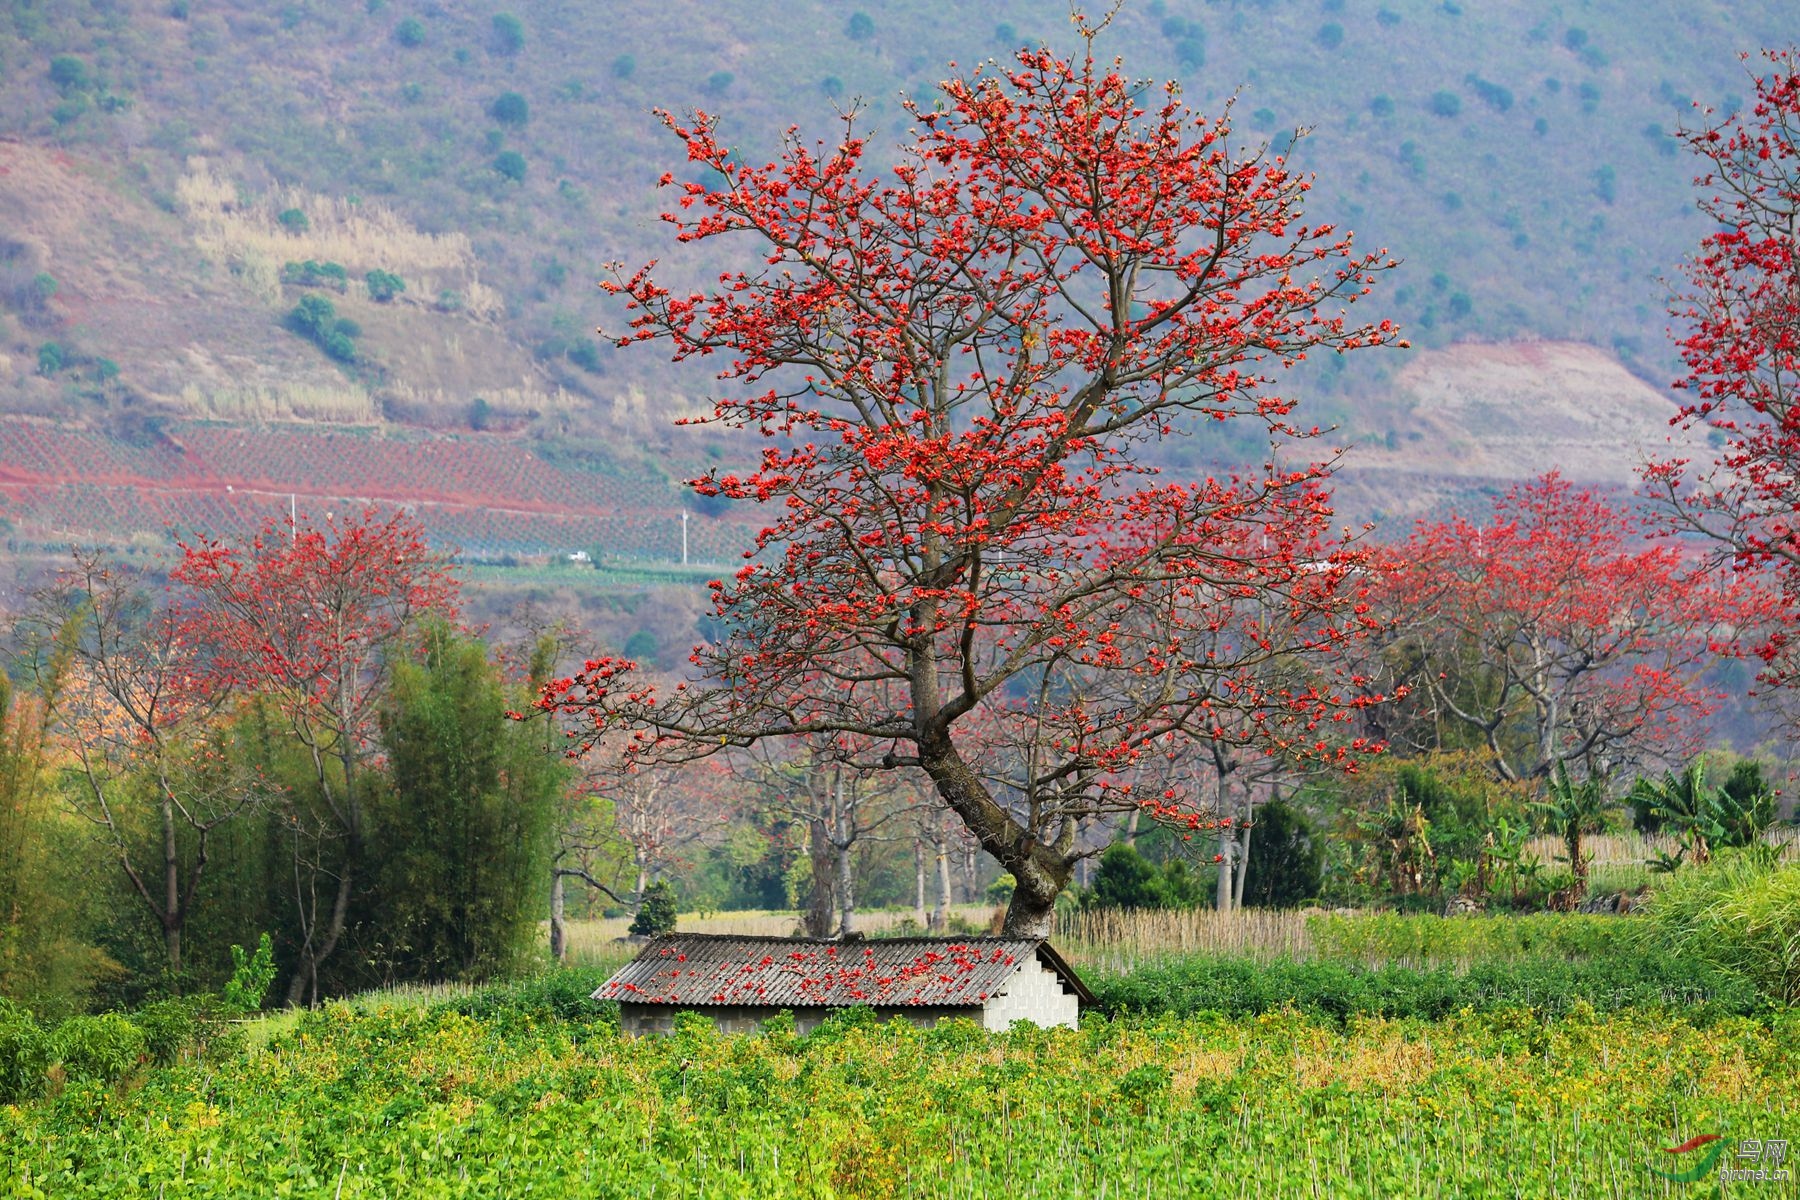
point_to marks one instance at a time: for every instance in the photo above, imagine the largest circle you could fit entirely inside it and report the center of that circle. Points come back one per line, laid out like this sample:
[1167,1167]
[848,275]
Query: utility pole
[684,521]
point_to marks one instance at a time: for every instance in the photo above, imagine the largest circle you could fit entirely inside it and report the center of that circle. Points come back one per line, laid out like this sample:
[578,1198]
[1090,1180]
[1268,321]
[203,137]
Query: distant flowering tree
[1554,634]
[1741,308]
[312,616]
[955,363]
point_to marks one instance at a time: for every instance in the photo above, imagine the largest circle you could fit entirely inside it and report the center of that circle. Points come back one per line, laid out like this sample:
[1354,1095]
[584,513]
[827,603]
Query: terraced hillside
[486,496]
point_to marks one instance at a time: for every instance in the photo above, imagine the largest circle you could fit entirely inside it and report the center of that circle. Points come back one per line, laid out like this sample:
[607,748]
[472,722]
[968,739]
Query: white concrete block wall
[1035,994]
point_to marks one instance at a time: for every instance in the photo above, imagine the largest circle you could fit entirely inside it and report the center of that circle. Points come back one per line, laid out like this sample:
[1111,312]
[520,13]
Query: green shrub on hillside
[70,74]
[316,319]
[410,33]
[315,274]
[511,165]
[507,34]
[510,108]
[383,285]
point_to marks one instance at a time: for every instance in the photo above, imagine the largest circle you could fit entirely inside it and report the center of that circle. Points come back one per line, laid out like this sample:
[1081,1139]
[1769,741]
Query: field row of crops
[86,512]
[484,496]
[492,1100]
[488,470]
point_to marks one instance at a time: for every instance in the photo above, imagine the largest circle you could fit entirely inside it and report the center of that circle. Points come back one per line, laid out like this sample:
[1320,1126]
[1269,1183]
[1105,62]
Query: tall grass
[349,404]
[1118,941]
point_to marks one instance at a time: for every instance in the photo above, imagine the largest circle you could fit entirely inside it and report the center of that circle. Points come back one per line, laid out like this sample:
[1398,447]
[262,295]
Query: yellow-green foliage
[42,959]
[423,1103]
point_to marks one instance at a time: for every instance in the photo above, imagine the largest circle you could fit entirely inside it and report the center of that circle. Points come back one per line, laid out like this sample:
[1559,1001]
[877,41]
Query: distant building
[742,981]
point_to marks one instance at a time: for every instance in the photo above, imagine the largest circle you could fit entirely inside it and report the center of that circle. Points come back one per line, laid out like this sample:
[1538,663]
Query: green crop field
[467,1099]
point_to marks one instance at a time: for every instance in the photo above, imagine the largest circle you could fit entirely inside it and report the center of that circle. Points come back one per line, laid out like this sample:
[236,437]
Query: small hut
[742,981]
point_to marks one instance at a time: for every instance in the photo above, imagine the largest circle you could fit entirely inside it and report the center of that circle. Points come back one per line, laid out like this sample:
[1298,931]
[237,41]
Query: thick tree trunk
[1243,866]
[1040,871]
[1222,897]
[819,896]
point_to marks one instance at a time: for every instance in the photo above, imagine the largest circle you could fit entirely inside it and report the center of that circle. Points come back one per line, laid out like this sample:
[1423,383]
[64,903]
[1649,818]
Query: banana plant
[1572,811]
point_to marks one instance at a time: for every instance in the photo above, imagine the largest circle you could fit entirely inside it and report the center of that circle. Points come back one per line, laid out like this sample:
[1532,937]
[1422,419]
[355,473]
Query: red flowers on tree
[312,615]
[1742,347]
[1554,635]
[955,362]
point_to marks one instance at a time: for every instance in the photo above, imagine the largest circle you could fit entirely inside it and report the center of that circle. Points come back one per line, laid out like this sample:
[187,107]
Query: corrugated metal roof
[702,969]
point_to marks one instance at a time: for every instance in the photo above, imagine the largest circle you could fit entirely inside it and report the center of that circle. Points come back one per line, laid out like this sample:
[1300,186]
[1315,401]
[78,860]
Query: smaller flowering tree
[1558,637]
[312,616]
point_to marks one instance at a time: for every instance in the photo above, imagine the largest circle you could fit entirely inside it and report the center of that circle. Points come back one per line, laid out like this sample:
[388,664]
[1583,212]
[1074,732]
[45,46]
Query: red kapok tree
[1741,305]
[1554,634]
[311,616]
[956,362]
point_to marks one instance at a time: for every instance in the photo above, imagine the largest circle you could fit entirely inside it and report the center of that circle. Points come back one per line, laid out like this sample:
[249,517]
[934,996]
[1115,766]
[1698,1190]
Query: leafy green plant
[410,33]
[1285,859]
[293,220]
[25,1053]
[507,34]
[315,318]
[1572,811]
[251,975]
[101,1048]
[315,274]
[173,1028]
[50,358]
[656,913]
[1126,879]
[70,74]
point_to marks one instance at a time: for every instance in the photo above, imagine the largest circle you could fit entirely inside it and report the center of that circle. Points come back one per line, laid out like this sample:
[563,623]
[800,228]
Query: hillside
[181,178]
